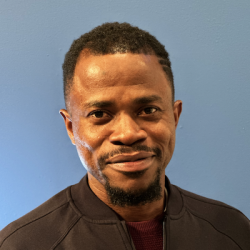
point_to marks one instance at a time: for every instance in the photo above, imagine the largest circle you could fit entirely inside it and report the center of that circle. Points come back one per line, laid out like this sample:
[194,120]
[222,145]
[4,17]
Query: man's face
[122,119]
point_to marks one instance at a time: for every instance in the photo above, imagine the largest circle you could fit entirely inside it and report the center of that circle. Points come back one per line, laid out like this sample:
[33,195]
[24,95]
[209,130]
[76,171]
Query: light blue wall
[209,45]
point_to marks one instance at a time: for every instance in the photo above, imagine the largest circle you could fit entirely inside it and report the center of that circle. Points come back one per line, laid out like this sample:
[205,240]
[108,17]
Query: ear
[68,124]
[177,111]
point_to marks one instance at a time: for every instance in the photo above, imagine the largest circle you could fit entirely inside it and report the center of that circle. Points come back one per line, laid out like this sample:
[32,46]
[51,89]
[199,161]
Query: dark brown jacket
[76,219]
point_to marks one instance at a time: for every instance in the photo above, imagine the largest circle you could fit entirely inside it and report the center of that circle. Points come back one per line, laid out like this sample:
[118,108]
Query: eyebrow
[98,104]
[139,100]
[147,99]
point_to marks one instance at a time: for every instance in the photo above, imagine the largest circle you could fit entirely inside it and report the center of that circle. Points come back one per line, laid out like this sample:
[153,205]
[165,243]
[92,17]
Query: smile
[131,162]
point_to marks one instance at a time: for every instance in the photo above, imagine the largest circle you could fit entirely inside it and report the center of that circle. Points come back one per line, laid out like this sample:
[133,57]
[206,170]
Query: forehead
[115,75]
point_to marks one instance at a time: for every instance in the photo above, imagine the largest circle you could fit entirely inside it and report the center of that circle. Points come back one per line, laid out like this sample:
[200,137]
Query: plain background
[209,46]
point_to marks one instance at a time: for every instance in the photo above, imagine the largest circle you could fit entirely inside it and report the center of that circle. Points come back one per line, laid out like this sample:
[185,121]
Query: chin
[134,175]
[136,188]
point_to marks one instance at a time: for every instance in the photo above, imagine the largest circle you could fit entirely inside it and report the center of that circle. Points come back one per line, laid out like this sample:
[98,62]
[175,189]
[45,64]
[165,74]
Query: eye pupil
[98,114]
[148,110]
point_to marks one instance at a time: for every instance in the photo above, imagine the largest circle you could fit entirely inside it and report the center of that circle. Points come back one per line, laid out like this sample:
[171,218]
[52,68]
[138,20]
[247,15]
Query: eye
[99,114]
[148,111]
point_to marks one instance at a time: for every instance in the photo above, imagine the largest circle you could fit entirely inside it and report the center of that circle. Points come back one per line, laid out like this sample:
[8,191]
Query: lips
[137,161]
[129,157]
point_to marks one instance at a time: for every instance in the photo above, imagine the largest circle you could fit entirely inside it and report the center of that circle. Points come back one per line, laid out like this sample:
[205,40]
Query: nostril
[118,143]
[120,137]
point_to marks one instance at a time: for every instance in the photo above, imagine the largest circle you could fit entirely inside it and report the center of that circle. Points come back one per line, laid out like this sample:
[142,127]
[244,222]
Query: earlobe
[68,124]
[177,111]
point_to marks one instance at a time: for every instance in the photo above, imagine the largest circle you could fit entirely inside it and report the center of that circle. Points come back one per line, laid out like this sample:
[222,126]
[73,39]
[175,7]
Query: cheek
[163,135]
[88,140]
[85,156]
[89,160]
[87,135]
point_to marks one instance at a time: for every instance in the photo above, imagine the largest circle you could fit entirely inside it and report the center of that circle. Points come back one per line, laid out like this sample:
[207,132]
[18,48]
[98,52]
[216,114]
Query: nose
[126,131]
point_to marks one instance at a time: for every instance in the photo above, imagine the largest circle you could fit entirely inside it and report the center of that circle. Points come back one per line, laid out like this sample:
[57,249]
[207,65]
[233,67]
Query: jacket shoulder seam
[212,203]
[71,203]
[193,213]
[60,239]
[35,219]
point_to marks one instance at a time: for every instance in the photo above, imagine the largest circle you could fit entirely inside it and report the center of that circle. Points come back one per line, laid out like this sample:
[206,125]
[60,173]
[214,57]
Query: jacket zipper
[164,231]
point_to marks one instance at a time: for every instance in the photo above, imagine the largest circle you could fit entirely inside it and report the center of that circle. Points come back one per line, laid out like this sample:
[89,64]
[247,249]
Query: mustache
[124,149]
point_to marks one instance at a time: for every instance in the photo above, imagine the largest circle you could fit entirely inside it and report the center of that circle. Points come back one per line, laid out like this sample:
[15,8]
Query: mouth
[135,162]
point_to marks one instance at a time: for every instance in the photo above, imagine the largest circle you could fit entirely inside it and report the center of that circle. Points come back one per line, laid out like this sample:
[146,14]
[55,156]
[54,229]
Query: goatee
[123,198]
[129,197]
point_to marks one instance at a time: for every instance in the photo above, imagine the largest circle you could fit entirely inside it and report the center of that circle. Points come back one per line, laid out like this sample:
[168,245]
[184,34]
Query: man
[121,116]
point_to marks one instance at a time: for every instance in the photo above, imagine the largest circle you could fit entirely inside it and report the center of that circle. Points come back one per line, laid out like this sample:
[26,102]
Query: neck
[144,212]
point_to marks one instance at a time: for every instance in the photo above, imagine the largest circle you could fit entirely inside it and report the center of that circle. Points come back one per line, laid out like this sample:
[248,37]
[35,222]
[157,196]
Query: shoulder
[199,204]
[223,218]
[48,221]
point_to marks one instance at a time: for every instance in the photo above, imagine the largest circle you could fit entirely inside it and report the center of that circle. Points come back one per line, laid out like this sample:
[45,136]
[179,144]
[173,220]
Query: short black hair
[112,38]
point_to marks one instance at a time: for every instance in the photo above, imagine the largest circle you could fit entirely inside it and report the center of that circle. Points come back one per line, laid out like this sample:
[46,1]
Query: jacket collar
[91,207]
[175,202]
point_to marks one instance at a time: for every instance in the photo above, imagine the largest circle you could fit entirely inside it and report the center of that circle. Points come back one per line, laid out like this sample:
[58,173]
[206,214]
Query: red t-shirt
[147,235]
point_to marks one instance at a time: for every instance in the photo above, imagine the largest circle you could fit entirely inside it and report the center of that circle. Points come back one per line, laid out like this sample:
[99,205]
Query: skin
[95,131]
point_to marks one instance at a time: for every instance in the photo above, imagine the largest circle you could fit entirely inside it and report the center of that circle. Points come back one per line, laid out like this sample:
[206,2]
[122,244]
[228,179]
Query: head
[121,113]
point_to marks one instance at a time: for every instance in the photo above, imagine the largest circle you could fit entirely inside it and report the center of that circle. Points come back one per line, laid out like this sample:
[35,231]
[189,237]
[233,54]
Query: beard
[120,197]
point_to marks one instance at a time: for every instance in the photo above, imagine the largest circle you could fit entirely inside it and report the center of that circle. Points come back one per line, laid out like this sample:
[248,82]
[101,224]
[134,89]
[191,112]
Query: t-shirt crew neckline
[147,235]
